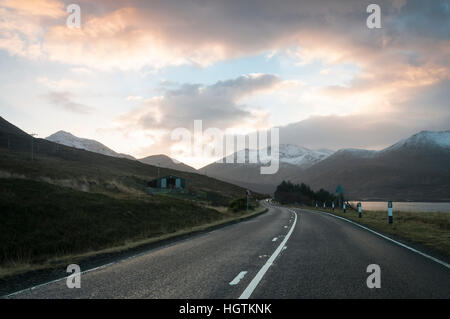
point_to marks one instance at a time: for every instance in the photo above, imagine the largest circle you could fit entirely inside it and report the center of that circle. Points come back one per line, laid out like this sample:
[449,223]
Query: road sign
[339,189]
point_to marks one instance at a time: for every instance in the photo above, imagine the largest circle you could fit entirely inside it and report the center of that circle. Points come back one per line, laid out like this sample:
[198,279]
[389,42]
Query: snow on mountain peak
[288,153]
[441,138]
[425,138]
[68,139]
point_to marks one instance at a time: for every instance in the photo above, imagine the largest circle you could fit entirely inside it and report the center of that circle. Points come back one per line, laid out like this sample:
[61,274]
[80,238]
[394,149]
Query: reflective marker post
[359,210]
[323,204]
[344,207]
[391,218]
[332,205]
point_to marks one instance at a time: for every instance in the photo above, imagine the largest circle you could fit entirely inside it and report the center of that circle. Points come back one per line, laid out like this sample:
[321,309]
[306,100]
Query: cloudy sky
[136,70]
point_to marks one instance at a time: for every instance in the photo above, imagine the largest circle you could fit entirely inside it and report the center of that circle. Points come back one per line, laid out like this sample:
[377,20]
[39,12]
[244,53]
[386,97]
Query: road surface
[283,253]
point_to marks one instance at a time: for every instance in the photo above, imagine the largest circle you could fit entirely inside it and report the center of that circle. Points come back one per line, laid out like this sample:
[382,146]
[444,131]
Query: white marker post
[344,207]
[323,204]
[391,218]
[359,210]
[332,205]
[316,205]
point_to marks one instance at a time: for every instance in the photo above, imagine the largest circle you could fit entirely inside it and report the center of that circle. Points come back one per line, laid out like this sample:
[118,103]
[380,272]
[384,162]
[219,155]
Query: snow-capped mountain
[301,156]
[439,139]
[287,153]
[421,140]
[415,168]
[65,138]
[246,171]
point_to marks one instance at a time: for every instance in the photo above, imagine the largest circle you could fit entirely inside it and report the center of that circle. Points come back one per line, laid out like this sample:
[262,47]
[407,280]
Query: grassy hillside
[68,202]
[40,221]
[91,172]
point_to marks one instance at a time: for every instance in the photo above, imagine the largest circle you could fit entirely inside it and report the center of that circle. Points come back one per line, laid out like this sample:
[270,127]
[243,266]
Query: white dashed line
[275,239]
[238,278]
[254,283]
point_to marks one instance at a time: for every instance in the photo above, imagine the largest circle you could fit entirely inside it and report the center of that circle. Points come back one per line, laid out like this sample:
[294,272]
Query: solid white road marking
[275,239]
[443,263]
[254,283]
[238,278]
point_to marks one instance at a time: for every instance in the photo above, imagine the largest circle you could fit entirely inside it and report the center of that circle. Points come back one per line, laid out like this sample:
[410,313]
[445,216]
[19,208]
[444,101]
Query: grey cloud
[216,105]
[425,110]
[256,24]
[334,132]
[66,101]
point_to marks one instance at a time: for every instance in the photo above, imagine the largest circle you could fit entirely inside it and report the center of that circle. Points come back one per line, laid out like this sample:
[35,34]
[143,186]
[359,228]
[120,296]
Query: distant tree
[288,192]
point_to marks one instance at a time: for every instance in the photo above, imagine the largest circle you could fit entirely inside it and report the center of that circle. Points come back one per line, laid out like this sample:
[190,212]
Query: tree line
[289,193]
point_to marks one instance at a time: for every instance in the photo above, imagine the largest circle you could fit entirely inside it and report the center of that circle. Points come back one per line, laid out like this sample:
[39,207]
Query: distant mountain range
[68,139]
[416,169]
[88,171]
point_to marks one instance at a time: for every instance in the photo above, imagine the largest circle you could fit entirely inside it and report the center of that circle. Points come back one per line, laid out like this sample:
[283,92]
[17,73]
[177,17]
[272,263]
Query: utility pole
[32,145]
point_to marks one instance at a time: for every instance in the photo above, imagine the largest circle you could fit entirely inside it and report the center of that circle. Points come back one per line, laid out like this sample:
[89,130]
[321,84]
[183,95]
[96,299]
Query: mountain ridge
[68,139]
[415,168]
[162,160]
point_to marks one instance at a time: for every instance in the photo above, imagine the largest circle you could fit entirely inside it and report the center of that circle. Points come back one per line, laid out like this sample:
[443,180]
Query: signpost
[247,193]
[359,210]
[340,192]
[391,218]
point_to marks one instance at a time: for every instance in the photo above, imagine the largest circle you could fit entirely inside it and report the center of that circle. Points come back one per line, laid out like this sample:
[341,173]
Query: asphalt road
[280,254]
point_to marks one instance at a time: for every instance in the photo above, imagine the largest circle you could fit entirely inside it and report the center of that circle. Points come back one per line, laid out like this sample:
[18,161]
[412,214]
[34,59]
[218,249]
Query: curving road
[281,254]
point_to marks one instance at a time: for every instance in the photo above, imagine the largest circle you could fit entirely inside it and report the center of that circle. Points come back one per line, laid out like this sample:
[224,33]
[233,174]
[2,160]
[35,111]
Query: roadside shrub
[240,204]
